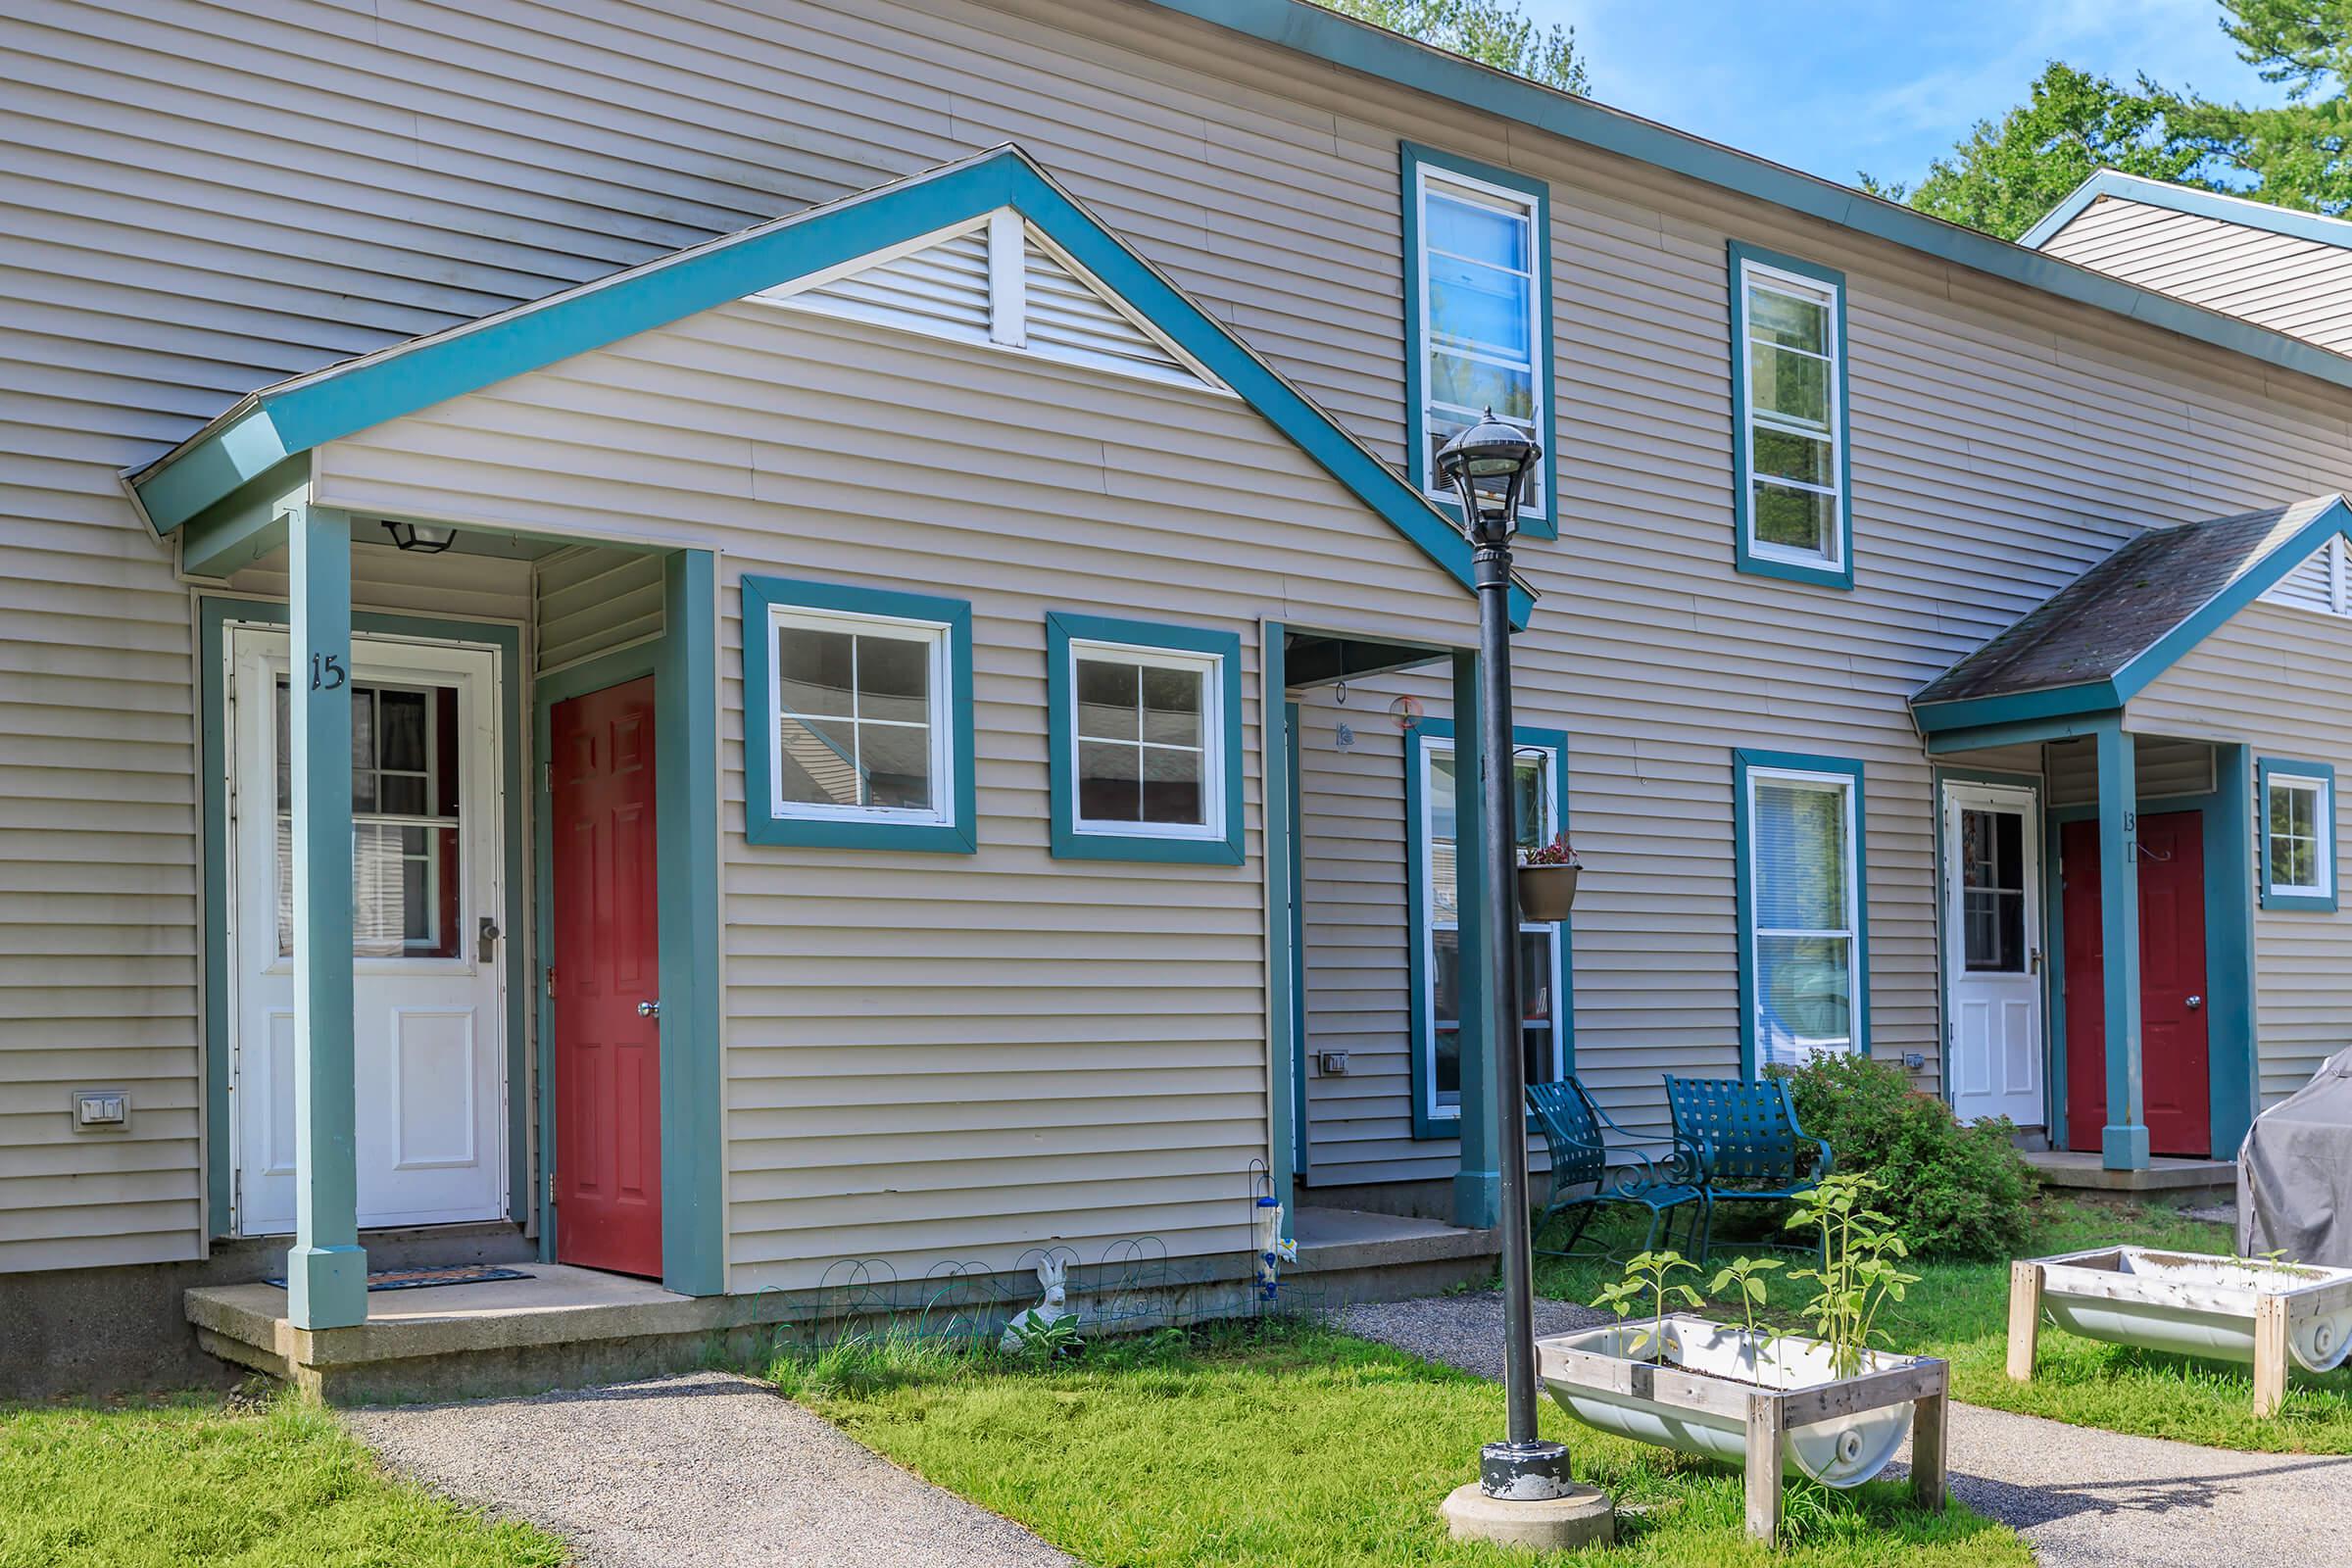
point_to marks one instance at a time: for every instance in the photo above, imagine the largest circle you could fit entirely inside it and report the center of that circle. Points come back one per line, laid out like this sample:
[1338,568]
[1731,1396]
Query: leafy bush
[1951,1189]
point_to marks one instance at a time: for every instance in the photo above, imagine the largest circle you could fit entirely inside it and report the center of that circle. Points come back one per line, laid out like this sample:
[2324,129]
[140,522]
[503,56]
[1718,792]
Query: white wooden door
[430,1039]
[1993,952]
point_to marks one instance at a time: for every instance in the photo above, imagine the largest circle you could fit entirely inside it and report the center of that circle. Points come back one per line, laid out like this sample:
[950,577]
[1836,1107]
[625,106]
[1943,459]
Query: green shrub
[1951,1189]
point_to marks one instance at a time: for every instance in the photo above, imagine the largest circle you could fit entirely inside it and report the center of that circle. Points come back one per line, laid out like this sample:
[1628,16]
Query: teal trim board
[307,411]
[2123,1141]
[1296,835]
[1745,556]
[1478,1180]
[1069,840]
[2114,183]
[1413,159]
[213,616]
[2278,768]
[845,828]
[1428,1122]
[1318,33]
[1744,761]
[1285,1087]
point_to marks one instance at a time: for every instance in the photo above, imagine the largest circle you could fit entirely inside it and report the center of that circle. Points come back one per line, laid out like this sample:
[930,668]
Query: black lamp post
[1489,467]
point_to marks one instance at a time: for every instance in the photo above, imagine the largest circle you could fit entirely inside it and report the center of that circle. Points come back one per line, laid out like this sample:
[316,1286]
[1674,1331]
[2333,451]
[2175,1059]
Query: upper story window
[1802,927]
[2299,835]
[1145,723]
[1539,807]
[859,722]
[1478,294]
[1789,441]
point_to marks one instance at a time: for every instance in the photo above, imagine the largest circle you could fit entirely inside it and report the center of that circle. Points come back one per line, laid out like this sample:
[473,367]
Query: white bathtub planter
[2188,1303]
[1790,1415]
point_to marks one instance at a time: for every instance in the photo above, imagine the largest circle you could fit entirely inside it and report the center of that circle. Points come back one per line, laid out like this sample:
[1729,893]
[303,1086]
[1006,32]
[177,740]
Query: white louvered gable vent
[995,281]
[2320,582]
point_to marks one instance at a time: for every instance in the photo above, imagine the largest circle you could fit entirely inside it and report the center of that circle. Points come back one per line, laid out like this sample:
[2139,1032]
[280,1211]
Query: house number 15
[326,672]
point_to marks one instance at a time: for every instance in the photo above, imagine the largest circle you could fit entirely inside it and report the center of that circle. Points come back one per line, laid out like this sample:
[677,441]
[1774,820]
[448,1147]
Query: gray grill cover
[2294,1174]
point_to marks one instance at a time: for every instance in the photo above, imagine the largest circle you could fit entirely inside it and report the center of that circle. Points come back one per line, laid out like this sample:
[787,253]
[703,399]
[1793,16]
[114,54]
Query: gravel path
[2124,1502]
[701,1471]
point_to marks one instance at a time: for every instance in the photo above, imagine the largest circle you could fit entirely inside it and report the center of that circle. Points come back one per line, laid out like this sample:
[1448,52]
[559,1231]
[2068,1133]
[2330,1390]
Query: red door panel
[607,1058]
[2175,1047]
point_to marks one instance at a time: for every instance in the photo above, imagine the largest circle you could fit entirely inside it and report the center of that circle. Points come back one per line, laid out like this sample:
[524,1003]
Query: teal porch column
[2124,1141]
[327,1271]
[1477,1185]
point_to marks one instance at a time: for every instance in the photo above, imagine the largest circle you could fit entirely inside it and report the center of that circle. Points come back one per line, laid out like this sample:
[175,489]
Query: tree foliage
[2006,173]
[1493,32]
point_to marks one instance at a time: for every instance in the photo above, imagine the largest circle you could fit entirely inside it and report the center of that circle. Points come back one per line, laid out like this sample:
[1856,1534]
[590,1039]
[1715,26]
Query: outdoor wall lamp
[422,538]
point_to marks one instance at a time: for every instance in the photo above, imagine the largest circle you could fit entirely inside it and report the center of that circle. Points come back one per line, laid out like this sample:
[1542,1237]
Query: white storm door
[1993,952]
[428,1028]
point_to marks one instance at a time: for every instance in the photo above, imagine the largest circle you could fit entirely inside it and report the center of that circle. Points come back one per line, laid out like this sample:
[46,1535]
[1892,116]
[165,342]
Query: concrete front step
[569,1327]
[2081,1170]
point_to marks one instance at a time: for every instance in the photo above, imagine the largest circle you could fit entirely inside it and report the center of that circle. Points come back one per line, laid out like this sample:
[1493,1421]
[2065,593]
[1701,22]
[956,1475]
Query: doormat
[421,1279]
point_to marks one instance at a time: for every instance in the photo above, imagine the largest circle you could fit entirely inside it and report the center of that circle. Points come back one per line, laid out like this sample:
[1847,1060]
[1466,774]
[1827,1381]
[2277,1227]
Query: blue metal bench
[1744,1142]
[1574,1135]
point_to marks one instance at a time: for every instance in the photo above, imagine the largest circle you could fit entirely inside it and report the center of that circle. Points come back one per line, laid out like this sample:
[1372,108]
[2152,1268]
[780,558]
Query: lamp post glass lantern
[1489,467]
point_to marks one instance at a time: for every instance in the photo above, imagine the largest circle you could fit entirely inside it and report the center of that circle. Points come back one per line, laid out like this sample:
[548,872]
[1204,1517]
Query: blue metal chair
[1745,1143]
[1574,1136]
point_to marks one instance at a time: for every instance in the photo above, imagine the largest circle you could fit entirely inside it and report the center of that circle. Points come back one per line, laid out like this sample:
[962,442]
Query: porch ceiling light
[1489,466]
[423,537]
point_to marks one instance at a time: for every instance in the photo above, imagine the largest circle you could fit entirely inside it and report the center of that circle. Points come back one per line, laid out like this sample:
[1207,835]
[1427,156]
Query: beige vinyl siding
[2163,765]
[941,1057]
[2282,281]
[591,601]
[2276,677]
[411,582]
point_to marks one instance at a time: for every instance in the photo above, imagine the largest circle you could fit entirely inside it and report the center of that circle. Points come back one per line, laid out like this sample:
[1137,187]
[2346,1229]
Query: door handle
[486,940]
[649,1010]
[2194,1003]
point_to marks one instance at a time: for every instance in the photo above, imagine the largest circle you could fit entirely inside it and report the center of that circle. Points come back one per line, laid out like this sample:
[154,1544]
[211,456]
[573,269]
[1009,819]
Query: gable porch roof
[245,444]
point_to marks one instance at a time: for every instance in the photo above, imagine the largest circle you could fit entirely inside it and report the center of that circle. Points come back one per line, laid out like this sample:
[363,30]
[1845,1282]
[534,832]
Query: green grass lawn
[1961,1312]
[195,1481]
[1298,1445]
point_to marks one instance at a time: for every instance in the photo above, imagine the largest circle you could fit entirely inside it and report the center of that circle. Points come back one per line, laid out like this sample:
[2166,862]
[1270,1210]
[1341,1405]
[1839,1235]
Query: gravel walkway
[703,1471]
[2125,1502]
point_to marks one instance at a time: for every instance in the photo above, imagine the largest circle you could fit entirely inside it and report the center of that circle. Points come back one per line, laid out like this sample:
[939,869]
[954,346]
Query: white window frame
[2323,819]
[1851,931]
[1426,748]
[1530,212]
[940,654]
[1210,667]
[1752,274]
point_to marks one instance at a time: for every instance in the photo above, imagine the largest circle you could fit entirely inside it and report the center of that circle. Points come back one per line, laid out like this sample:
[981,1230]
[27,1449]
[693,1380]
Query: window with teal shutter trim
[2299,835]
[1802,926]
[1792,468]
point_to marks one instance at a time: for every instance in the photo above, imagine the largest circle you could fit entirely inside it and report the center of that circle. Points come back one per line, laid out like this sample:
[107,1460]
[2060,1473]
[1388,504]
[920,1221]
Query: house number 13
[326,672]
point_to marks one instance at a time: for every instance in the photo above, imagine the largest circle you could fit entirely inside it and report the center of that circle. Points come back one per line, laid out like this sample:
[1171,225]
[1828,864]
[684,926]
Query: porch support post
[2123,1141]
[327,1271]
[1477,1185]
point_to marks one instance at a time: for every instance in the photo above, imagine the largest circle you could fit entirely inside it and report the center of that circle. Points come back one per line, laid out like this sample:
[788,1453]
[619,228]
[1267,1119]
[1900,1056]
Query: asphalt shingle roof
[2094,627]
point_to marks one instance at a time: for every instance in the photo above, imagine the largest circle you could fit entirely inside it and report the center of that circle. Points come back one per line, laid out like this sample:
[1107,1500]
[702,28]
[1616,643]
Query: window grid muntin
[1475,192]
[1430,749]
[1754,276]
[937,636]
[1210,669]
[1850,932]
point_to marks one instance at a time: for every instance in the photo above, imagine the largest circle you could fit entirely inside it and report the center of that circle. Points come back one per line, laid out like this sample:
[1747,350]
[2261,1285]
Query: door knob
[2194,1003]
[649,1010]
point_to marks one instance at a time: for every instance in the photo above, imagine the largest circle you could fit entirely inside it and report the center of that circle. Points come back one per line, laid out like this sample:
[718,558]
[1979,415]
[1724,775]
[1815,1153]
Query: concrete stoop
[2189,1180]
[569,1327]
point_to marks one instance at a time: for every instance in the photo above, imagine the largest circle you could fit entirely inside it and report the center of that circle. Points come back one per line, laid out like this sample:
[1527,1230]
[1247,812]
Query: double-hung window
[2299,835]
[858,721]
[1437,991]
[1144,726]
[1477,292]
[1795,515]
[1802,920]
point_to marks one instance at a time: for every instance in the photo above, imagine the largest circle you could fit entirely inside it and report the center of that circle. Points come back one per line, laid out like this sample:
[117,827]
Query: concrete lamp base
[1583,1516]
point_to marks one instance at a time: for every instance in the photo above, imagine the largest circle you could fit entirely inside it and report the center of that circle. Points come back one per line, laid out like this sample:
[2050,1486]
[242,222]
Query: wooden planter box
[1707,1400]
[2187,1304]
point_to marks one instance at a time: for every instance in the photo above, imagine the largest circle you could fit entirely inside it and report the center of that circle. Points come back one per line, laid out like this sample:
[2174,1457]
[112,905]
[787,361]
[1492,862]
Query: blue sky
[1877,85]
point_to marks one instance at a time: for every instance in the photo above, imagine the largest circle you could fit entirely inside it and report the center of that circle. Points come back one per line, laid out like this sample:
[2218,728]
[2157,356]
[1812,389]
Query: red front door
[608,1054]
[2174,1049]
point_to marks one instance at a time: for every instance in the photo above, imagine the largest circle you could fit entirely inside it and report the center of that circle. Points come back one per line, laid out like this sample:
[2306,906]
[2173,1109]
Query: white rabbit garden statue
[1048,1324]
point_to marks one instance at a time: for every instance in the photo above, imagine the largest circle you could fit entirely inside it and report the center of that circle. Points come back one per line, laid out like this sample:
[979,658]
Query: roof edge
[2243,211]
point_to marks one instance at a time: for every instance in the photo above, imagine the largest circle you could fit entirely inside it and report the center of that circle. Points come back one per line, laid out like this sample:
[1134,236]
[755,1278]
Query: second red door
[606,968]
[2175,1055]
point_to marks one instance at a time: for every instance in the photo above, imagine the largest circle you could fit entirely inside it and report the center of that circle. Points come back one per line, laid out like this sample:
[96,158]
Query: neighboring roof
[264,429]
[2240,210]
[1375,50]
[2102,638]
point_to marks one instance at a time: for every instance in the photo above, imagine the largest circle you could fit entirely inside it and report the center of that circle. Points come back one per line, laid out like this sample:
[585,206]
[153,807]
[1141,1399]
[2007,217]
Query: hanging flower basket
[1547,880]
